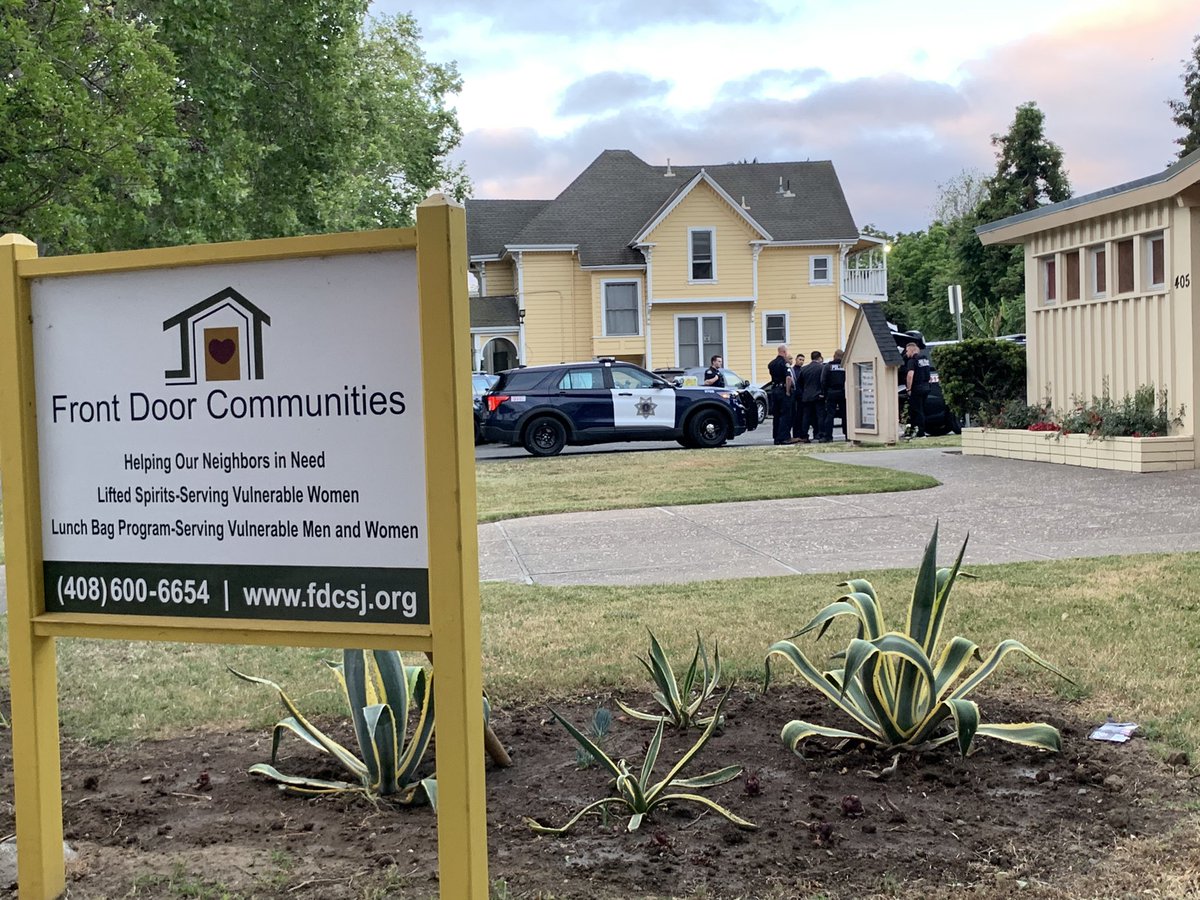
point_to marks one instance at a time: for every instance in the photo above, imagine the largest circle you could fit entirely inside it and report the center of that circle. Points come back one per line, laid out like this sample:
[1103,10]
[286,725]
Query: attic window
[702,264]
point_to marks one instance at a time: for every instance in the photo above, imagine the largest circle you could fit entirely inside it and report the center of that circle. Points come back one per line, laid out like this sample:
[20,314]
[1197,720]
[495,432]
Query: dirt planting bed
[181,818]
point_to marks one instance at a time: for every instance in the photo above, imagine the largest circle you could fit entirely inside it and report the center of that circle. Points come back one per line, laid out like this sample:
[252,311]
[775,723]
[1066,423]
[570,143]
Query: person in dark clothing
[811,398]
[833,386]
[712,375]
[781,395]
[916,380]
[797,366]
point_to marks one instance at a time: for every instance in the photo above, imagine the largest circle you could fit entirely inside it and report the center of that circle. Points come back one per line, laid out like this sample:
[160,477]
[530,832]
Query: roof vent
[780,189]
[788,190]
[745,205]
[669,173]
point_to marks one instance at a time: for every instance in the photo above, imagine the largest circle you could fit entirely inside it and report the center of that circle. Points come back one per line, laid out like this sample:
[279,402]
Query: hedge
[981,375]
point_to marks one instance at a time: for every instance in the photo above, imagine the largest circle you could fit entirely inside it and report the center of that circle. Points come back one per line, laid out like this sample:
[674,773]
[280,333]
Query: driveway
[1014,511]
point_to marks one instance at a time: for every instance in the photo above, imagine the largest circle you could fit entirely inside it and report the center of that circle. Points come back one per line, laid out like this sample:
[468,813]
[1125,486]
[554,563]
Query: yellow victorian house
[667,266]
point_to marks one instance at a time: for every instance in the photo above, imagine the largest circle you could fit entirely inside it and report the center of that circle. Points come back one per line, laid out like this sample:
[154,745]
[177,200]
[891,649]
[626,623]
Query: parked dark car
[545,408]
[939,419]
[733,381]
[480,382]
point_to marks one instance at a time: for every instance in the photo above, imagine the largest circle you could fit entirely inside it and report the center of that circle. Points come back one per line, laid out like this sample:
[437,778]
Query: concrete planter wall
[1125,454]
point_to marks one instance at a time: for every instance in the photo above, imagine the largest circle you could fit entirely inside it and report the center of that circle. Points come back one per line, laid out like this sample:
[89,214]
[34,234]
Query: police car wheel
[761,403]
[545,436]
[708,429]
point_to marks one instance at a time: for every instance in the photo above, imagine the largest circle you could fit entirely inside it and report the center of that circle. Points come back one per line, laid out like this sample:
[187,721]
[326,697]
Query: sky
[901,97]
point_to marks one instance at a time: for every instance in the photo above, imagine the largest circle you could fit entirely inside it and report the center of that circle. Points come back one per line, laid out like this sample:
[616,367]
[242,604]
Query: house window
[621,317]
[702,264]
[1125,266]
[775,328]
[1099,270]
[1156,260]
[820,270]
[698,339]
[1071,272]
[1049,280]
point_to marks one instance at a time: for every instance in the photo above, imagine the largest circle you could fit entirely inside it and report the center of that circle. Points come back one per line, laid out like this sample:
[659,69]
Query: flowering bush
[1044,426]
[1138,415]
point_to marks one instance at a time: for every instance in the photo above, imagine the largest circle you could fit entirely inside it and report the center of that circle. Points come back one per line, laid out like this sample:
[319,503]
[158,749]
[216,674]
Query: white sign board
[864,378]
[238,440]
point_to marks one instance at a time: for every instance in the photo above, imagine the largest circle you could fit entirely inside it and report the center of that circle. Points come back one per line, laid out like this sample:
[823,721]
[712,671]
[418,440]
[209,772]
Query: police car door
[640,400]
[585,399]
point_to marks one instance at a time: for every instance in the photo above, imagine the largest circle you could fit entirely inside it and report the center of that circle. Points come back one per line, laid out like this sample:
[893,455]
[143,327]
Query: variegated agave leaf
[677,701]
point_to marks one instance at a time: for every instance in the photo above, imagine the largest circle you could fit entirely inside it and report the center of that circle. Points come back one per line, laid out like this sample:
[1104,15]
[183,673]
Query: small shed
[872,362]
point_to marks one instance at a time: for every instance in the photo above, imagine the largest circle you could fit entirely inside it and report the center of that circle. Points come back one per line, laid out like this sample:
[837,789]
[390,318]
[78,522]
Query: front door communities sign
[232,443]
[242,441]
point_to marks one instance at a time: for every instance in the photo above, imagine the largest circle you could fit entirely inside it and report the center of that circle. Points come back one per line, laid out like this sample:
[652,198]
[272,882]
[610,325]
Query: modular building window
[1125,282]
[1071,273]
[1156,260]
[1099,271]
[1049,277]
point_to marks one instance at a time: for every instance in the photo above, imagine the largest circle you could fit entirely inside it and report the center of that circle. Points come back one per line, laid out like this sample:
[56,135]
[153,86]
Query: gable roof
[1177,177]
[613,200]
[874,317]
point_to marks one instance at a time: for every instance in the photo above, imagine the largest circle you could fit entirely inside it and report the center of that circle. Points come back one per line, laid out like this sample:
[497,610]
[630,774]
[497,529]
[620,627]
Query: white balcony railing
[865,282]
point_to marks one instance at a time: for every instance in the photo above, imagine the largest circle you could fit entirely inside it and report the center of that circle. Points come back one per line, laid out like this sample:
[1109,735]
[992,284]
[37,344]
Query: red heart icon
[222,351]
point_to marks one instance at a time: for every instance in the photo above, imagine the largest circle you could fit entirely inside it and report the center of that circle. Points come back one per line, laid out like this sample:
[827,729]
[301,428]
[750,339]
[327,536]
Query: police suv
[544,408]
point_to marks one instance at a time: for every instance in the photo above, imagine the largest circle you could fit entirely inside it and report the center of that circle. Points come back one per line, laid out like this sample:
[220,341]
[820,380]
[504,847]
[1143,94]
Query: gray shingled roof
[490,223]
[614,198]
[1050,208]
[494,312]
[877,321]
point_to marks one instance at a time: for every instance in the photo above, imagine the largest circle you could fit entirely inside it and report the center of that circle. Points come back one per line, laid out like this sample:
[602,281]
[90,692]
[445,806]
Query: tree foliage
[87,120]
[267,119]
[1186,112]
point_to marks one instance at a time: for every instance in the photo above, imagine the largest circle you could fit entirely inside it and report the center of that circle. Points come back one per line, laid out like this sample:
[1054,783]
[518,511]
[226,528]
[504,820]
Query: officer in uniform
[781,395]
[833,385]
[916,380]
[712,375]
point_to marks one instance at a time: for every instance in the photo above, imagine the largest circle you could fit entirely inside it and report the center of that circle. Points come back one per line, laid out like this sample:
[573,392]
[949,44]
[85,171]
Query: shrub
[380,691]
[889,682]
[981,375]
[1131,416]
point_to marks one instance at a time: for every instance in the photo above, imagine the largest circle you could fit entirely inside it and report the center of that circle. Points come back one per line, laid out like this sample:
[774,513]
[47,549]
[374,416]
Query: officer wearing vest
[833,386]
[916,379]
[712,375]
[781,395]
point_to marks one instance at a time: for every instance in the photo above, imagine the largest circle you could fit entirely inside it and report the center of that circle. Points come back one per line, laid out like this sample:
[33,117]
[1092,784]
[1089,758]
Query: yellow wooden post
[453,548]
[31,663]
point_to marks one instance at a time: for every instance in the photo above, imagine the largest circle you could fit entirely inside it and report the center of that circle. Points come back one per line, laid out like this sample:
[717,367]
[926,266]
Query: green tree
[1187,111]
[87,122]
[1029,173]
[920,266]
[300,118]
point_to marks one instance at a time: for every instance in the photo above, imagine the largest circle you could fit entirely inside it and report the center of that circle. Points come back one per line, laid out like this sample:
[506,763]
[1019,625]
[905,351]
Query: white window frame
[1093,270]
[699,317]
[812,269]
[1045,282]
[1148,242]
[712,244]
[604,283]
[787,327]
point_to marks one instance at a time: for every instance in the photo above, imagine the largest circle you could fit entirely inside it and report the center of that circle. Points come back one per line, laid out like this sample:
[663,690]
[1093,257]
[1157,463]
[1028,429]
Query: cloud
[771,81]
[606,91]
[590,18]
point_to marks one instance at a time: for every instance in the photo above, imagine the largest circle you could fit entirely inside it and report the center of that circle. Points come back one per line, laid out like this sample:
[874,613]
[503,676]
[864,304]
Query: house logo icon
[220,338]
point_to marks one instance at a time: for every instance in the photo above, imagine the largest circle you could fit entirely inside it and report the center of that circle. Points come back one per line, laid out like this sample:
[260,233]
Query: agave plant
[380,691]
[676,700]
[638,793]
[901,690]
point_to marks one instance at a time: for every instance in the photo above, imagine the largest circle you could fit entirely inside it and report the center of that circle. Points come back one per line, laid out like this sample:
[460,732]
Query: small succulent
[678,704]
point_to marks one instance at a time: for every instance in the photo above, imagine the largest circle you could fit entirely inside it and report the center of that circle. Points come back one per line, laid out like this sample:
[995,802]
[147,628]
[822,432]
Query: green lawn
[530,487]
[1120,626]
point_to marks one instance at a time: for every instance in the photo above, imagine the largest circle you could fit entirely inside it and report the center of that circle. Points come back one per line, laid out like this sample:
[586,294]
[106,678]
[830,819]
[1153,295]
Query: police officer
[833,385]
[916,380]
[811,398]
[781,395]
[712,375]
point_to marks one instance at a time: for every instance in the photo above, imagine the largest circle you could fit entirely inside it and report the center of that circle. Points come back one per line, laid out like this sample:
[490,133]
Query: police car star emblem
[645,407]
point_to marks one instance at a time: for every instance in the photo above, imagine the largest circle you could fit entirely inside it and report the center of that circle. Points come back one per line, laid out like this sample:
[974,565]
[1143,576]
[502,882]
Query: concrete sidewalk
[1014,511]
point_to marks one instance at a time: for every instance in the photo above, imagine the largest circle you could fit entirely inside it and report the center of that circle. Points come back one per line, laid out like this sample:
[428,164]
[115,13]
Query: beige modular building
[1110,297]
